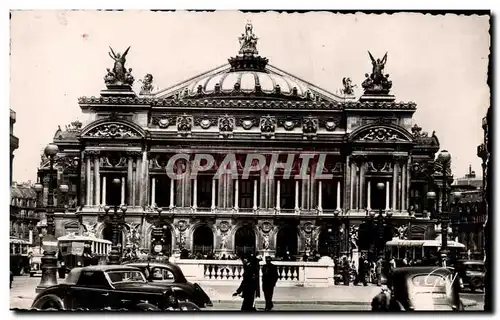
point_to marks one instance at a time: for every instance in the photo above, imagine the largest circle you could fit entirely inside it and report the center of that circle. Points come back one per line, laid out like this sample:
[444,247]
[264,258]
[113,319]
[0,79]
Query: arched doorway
[244,240]
[287,242]
[161,240]
[203,240]
[329,241]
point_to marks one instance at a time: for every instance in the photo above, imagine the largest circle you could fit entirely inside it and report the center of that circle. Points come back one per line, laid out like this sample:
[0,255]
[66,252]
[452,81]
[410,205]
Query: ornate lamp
[49,260]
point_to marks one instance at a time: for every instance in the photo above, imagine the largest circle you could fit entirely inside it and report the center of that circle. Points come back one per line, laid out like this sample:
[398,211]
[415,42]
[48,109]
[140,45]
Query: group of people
[249,288]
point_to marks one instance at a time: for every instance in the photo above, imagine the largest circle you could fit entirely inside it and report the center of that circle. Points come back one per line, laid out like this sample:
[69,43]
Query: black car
[420,289]
[169,275]
[110,287]
[471,274]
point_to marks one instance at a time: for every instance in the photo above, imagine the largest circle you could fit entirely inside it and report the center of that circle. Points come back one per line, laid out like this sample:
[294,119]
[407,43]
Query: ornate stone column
[387,195]
[195,193]
[138,181]
[104,190]
[320,196]
[236,194]
[338,196]
[123,191]
[361,185]
[353,205]
[369,196]
[407,183]
[88,192]
[97,180]
[213,206]
[278,195]
[403,187]
[297,204]
[395,175]
[172,192]
[255,188]
[129,178]
[153,191]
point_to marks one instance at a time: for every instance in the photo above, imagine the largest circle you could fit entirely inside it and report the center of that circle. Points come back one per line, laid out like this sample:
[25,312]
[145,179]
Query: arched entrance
[244,240]
[287,242]
[161,240]
[329,241]
[203,240]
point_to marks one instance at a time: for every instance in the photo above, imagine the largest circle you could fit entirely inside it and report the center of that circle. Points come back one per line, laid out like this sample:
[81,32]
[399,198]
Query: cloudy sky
[439,62]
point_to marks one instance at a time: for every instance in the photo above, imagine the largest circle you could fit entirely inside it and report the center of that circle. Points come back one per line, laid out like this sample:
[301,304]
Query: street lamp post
[114,255]
[444,158]
[49,260]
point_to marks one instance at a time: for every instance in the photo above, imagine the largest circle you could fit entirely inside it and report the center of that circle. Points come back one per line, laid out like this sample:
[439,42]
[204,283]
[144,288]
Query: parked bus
[426,251]
[74,250]
[19,256]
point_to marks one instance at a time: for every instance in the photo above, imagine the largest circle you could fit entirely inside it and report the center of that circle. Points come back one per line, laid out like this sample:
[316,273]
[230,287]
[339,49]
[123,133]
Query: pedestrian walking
[269,279]
[249,286]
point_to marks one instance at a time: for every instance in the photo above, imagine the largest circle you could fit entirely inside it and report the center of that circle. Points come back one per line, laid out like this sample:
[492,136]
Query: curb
[299,302]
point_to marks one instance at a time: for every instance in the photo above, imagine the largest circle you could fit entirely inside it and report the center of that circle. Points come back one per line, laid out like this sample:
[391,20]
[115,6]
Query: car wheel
[475,283]
[188,306]
[48,302]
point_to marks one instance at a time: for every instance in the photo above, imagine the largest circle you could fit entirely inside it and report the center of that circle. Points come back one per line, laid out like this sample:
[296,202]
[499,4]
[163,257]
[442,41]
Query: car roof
[174,267]
[421,269]
[108,268]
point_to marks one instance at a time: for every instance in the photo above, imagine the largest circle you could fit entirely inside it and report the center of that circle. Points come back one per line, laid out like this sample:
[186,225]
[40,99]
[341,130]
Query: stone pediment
[380,134]
[113,129]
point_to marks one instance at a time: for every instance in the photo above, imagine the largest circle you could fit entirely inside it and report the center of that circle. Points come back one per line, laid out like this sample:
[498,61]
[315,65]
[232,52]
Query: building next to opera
[347,162]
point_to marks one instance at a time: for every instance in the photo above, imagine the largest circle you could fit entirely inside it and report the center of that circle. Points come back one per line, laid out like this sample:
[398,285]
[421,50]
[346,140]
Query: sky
[439,62]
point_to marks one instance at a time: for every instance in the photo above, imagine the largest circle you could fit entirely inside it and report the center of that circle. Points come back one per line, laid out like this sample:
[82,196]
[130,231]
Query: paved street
[286,299]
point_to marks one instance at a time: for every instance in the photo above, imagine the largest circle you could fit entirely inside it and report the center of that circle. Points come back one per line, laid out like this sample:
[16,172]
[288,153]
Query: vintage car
[169,275]
[471,274]
[108,287]
[420,289]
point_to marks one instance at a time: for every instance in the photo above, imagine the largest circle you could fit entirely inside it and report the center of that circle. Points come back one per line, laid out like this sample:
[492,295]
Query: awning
[19,241]
[422,243]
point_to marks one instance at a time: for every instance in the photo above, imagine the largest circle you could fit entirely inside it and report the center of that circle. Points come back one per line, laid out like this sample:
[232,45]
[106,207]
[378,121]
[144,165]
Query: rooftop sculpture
[119,75]
[377,82]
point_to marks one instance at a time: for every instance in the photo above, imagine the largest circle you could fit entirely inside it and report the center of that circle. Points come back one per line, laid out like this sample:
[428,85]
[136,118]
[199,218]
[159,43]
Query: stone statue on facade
[348,86]
[248,41]
[119,75]
[223,241]
[147,84]
[266,242]
[377,82]
[308,243]
[353,236]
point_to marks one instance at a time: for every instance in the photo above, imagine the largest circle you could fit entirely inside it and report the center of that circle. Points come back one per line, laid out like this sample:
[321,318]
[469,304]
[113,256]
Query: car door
[92,291]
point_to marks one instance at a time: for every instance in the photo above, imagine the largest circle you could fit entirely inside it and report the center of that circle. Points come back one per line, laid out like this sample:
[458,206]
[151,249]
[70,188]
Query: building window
[204,191]
[287,194]
[329,194]
[246,193]
[162,191]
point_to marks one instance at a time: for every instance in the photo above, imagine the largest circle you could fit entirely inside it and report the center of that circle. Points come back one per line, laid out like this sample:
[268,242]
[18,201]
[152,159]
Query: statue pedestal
[120,90]
[266,252]
[220,252]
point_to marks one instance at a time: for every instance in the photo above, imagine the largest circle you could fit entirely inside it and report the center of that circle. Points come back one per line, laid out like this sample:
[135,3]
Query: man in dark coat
[346,268]
[362,269]
[269,279]
[249,286]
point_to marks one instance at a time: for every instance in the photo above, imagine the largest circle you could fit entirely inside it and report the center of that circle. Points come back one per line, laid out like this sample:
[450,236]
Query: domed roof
[247,75]
[263,82]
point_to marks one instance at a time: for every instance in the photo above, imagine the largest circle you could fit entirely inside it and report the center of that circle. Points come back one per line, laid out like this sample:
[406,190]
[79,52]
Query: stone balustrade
[230,272]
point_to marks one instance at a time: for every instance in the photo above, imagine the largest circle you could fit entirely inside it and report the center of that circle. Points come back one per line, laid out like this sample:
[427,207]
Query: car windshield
[126,276]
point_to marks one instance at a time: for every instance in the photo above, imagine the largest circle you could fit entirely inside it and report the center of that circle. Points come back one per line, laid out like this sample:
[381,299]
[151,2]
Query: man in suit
[269,279]
[249,286]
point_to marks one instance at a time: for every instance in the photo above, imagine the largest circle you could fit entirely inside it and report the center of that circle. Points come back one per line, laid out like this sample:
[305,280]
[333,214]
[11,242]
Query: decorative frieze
[382,134]
[226,126]
[267,126]
[247,123]
[184,125]
[113,130]
[289,123]
[163,121]
[205,122]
